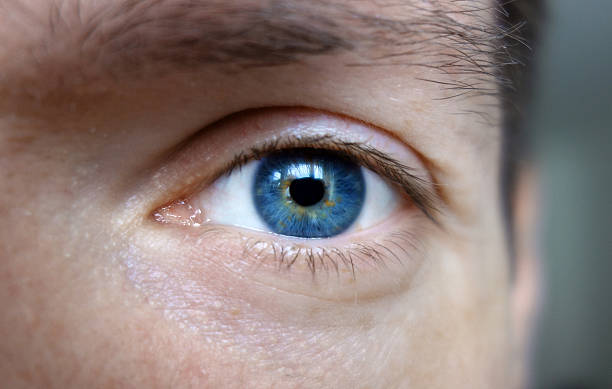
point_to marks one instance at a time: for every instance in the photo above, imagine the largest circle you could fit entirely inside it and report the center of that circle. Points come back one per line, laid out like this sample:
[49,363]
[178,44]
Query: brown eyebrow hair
[79,42]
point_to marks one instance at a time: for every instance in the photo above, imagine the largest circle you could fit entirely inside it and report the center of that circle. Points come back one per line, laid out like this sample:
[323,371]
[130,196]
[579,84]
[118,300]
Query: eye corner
[178,212]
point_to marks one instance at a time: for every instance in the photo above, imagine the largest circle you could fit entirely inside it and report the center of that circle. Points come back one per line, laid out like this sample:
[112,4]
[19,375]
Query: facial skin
[103,125]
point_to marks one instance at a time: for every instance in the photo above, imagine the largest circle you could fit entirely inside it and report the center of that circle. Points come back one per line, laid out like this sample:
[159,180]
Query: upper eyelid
[179,176]
[417,188]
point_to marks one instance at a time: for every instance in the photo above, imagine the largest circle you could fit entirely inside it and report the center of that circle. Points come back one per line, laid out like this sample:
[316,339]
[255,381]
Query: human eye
[319,191]
[305,195]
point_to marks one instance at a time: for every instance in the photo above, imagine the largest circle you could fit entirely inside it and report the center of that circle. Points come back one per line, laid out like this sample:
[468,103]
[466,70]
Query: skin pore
[113,111]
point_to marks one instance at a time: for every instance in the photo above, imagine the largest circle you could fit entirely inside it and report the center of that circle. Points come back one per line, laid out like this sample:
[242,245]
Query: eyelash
[393,170]
[353,258]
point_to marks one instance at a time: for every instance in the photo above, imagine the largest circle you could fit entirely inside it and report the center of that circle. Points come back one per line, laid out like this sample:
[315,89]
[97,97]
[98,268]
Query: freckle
[329,203]
[235,312]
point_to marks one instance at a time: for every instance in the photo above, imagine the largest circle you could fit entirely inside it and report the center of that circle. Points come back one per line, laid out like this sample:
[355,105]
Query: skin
[96,293]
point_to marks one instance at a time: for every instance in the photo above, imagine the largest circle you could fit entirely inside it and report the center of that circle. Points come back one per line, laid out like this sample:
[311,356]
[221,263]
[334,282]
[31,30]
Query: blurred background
[570,125]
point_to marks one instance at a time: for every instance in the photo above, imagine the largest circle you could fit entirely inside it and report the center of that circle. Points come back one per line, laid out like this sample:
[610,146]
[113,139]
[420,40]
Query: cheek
[262,332]
[437,331]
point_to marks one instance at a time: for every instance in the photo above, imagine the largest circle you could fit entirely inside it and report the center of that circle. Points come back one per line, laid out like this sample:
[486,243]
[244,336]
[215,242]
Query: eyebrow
[131,38]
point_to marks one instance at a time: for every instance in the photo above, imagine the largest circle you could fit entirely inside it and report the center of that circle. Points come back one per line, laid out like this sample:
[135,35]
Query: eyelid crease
[360,153]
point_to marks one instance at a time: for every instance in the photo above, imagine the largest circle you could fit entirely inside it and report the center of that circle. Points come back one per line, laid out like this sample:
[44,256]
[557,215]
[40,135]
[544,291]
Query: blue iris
[308,193]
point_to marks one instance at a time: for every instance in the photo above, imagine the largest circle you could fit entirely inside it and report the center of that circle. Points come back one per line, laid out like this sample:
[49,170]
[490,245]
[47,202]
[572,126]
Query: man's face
[134,252]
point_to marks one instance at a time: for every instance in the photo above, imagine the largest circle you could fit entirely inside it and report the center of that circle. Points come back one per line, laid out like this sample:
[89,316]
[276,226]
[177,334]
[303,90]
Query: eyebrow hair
[133,38]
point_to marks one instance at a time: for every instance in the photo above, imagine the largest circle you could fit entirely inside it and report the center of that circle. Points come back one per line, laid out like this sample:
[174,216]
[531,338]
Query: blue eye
[299,192]
[308,193]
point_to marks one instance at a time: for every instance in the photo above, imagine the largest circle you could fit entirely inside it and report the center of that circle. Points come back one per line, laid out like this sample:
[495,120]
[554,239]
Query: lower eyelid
[362,266]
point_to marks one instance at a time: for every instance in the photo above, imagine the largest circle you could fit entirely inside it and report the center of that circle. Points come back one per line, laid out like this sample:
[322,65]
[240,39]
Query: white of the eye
[381,200]
[229,200]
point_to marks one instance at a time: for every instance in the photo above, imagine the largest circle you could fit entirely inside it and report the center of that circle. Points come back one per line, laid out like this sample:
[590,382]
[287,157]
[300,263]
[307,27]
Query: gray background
[571,134]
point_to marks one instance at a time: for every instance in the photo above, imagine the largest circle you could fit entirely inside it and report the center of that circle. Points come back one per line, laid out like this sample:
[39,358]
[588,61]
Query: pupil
[307,191]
